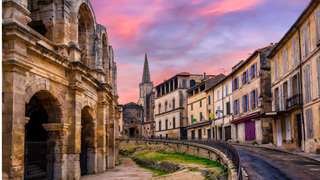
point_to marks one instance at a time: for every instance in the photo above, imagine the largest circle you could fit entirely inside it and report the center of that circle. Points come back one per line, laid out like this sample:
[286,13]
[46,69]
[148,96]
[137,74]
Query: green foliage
[178,158]
[193,169]
[155,171]
[120,162]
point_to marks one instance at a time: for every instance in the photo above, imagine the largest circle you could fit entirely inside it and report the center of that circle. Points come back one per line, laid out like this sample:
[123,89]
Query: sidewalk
[314,157]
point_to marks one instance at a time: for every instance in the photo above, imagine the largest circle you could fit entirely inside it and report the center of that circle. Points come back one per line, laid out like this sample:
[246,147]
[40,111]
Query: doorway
[199,134]
[209,134]
[192,135]
[220,133]
[227,131]
[250,130]
[298,116]
[131,132]
[279,135]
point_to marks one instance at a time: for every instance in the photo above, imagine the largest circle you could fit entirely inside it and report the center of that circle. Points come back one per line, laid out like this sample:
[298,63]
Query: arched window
[166,107]
[166,123]
[192,83]
[173,104]
[174,123]
[159,108]
[159,125]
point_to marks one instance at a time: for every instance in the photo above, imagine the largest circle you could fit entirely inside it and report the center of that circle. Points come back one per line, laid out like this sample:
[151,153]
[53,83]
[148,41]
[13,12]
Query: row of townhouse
[272,96]
[225,108]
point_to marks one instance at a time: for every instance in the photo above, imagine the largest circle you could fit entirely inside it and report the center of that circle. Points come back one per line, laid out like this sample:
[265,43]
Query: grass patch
[116,170]
[155,171]
[177,158]
[120,162]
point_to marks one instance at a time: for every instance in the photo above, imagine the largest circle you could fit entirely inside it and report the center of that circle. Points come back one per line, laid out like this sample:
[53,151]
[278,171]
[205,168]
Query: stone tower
[145,92]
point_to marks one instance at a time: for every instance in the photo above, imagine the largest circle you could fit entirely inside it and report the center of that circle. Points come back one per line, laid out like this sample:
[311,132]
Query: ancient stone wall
[162,166]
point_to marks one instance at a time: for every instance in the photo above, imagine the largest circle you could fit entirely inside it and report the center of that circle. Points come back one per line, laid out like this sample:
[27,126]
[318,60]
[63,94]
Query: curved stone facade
[59,87]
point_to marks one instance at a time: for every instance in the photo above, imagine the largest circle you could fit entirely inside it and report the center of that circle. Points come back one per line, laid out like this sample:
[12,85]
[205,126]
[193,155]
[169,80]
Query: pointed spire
[146,73]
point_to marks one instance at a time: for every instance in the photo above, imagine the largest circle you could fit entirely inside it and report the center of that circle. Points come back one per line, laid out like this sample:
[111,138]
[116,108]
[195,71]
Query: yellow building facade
[295,67]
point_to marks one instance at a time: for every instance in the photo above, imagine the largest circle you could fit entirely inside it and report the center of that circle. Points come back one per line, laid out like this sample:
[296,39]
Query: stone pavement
[314,157]
[128,170]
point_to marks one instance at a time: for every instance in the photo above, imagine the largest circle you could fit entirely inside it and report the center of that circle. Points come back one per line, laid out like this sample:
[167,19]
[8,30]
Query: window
[245,104]
[192,83]
[235,84]
[200,103]
[159,125]
[305,41]
[253,71]
[307,84]
[218,111]
[236,107]
[226,90]
[254,99]
[138,114]
[284,61]
[166,107]
[166,123]
[209,99]
[137,131]
[191,107]
[173,104]
[174,123]
[159,108]
[245,77]
[209,115]
[184,83]
[191,118]
[218,95]
[228,107]
[309,123]
[200,116]
[275,69]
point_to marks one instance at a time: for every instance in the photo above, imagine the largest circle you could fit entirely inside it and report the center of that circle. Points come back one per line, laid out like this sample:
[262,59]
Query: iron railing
[294,101]
[224,147]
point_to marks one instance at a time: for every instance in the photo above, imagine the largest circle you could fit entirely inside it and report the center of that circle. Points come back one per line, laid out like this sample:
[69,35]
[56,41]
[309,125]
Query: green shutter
[209,100]
[200,103]
[191,118]
[201,116]
[191,107]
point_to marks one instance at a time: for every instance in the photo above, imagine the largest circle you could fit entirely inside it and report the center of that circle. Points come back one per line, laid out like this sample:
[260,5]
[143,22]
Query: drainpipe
[301,90]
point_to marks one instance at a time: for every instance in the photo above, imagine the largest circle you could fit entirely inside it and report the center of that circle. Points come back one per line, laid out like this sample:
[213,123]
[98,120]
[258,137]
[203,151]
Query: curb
[275,150]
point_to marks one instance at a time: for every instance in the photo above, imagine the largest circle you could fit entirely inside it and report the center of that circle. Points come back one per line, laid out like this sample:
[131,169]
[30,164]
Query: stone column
[101,136]
[117,119]
[111,135]
[74,111]
[58,136]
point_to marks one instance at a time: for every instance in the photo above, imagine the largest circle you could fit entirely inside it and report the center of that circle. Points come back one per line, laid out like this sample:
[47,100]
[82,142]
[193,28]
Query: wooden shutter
[237,82]
[242,103]
[318,70]
[247,102]
[273,100]
[242,79]
[256,97]
[238,112]
[305,41]
[294,52]
[279,97]
[307,84]
[255,70]
[309,123]
[275,69]
[250,73]
[288,128]
[284,60]
[289,90]
[251,107]
[234,107]
[232,85]
[247,76]
[317,22]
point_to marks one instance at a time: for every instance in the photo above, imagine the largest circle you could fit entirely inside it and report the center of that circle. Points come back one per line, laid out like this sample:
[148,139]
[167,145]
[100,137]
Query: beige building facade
[60,113]
[295,67]
[171,105]
[199,120]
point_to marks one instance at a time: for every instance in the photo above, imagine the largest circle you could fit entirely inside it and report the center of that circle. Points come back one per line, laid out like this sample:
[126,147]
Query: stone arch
[44,85]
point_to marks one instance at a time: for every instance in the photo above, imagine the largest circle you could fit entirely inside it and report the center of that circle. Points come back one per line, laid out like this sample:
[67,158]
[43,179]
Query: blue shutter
[234,107]
[201,116]
[256,98]
[242,79]
[227,90]
[242,103]
[238,106]
[247,102]
[255,69]
[250,73]
[251,100]
[247,76]
[232,85]
[209,100]
[237,82]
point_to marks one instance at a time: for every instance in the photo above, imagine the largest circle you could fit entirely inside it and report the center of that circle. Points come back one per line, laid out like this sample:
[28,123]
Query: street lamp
[260,98]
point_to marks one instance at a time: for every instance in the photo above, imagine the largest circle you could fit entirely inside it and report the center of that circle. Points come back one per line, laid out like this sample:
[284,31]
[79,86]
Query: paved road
[268,164]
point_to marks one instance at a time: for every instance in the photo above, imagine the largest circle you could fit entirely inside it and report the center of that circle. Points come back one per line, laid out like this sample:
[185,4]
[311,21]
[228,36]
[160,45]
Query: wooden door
[279,135]
[250,130]
[227,132]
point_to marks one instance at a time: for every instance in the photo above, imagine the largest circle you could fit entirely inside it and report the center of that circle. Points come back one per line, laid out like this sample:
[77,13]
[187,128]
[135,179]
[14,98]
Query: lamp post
[261,99]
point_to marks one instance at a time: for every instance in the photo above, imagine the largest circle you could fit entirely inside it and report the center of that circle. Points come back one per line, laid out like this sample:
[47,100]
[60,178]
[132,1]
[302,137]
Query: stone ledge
[55,127]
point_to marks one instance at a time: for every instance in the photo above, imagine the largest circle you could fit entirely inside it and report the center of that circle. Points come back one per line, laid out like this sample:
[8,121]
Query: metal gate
[83,159]
[37,162]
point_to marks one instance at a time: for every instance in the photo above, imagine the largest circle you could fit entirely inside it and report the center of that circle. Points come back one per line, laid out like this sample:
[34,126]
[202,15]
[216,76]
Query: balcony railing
[294,101]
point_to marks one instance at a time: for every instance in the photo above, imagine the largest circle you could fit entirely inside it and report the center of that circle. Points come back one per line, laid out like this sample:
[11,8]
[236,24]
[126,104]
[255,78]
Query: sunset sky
[189,35]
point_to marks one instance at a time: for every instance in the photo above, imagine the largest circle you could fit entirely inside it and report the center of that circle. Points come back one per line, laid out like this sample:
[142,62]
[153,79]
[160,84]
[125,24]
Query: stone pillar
[13,119]
[111,135]
[101,136]
[74,111]
[58,134]
[116,124]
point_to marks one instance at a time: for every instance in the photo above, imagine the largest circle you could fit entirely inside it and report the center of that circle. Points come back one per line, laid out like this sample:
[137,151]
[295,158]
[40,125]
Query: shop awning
[251,116]
[271,114]
[198,125]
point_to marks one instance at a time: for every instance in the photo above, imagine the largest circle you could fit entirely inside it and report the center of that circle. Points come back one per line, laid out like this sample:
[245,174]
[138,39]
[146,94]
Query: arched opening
[105,56]
[166,124]
[174,123]
[42,108]
[159,125]
[192,83]
[159,108]
[85,32]
[166,107]
[173,104]
[87,155]
[39,27]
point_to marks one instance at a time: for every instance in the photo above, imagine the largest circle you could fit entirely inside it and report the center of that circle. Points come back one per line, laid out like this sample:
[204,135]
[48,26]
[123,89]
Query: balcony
[294,101]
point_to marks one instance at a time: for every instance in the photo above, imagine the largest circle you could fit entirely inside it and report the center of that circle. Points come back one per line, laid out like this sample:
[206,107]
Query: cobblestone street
[260,163]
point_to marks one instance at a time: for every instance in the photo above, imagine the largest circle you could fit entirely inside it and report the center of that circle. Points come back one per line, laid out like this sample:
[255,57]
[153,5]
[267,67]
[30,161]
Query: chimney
[204,76]
[271,44]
